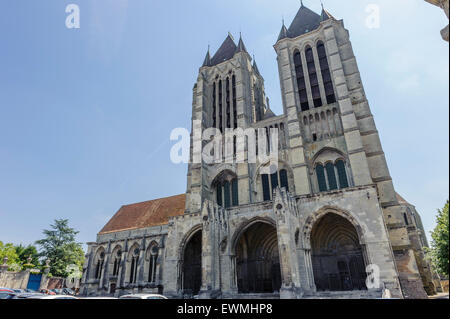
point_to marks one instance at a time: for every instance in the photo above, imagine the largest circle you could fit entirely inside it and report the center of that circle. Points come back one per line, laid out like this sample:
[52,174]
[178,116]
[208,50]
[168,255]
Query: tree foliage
[60,247]
[8,250]
[439,244]
[24,252]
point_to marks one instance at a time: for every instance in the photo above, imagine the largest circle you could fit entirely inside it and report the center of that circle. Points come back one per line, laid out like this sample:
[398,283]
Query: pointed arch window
[266,187]
[332,182]
[233,84]
[315,90]
[219,195]
[234,192]
[214,106]
[152,263]
[116,264]
[227,193]
[134,266]
[405,217]
[332,176]
[220,107]
[342,174]
[326,76]
[284,179]
[228,104]
[301,84]
[278,178]
[99,261]
[320,173]
[274,180]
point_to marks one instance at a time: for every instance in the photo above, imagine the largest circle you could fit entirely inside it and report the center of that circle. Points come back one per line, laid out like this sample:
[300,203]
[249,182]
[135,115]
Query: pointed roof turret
[241,46]
[325,14]
[255,67]
[225,52]
[207,61]
[268,114]
[305,21]
[283,33]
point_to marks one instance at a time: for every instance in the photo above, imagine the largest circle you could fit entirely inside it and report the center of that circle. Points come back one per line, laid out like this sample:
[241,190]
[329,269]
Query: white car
[54,297]
[143,296]
[98,298]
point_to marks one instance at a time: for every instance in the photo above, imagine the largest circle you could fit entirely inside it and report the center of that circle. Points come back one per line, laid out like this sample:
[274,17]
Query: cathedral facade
[326,223]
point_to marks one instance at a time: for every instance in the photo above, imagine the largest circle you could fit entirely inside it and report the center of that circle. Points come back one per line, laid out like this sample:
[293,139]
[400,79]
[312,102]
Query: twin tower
[326,222]
[333,181]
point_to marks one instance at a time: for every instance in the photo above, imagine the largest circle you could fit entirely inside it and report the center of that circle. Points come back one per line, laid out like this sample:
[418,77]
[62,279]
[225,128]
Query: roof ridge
[150,213]
[151,200]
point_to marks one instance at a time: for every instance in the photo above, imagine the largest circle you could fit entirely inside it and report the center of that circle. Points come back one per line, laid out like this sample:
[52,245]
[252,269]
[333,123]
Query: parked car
[6,293]
[98,298]
[47,292]
[19,291]
[57,291]
[143,296]
[68,291]
[52,297]
[30,291]
[27,295]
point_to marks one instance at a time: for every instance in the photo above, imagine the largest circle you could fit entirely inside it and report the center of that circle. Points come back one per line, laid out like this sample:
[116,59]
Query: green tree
[439,244]
[60,247]
[24,252]
[8,250]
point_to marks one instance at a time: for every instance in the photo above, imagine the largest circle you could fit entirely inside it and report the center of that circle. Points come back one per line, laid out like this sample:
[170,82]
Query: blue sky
[86,114]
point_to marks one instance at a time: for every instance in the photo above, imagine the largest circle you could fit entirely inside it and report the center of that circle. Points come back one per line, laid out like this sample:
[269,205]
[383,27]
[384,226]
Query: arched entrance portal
[337,255]
[192,265]
[257,260]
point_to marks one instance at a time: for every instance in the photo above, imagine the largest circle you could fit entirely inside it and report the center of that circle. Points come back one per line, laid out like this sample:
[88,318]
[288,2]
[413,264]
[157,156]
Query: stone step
[254,296]
[355,294]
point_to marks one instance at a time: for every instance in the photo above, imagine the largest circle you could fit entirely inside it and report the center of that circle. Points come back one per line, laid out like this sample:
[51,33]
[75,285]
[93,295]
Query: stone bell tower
[229,93]
[324,99]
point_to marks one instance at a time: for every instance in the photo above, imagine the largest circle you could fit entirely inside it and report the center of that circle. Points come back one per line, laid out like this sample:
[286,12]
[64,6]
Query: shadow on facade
[337,255]
[257,262]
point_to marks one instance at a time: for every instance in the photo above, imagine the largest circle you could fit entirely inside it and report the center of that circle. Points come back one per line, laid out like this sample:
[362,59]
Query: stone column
[172,279]
[207,252]
[141,264]
[123,262]
[285,211]
[104,281]
[4,267]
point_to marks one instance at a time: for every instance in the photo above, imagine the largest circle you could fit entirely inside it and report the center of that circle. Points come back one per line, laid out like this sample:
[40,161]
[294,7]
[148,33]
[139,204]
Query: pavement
[443,295]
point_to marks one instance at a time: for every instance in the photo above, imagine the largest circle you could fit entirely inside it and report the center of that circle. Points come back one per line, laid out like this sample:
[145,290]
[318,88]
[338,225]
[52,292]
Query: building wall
[221,229]
[14,280]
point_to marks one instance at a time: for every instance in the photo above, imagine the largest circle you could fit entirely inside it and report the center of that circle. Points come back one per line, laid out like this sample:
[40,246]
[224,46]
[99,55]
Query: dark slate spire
[225,52]
[268,114]
[326,15]
[207,61]
[241,46]
[255,67]
[304,22]
[283,33]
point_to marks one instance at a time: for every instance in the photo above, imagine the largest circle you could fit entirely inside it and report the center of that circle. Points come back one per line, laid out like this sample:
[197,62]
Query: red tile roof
[146,214]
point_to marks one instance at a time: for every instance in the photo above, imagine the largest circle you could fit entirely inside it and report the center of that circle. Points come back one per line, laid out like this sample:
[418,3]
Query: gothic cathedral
[326,223]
